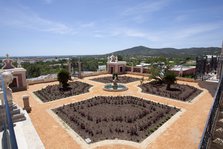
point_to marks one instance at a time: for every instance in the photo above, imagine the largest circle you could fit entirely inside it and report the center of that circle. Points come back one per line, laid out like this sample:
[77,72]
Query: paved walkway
[184,130]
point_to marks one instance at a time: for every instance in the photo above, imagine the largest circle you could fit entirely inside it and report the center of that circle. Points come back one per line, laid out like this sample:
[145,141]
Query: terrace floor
[184,130]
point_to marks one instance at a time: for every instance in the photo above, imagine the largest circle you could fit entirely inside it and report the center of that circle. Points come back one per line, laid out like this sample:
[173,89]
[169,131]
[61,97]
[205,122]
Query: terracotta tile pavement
[184,133]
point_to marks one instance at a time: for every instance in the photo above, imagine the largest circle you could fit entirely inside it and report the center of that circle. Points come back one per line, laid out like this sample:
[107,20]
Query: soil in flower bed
[121,79]
[121,117]
[54,92]
[177,91]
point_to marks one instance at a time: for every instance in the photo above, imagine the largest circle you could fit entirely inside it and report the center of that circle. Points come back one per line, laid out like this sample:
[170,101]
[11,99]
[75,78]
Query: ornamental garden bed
[120,117]
[54,92]
[121,79]
[178,91]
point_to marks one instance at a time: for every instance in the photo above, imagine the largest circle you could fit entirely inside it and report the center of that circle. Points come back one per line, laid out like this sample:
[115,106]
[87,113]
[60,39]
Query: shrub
[63,76]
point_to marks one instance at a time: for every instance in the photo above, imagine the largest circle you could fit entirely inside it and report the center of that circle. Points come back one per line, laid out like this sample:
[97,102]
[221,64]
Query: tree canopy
[169,78]
[163,75]
[63,76]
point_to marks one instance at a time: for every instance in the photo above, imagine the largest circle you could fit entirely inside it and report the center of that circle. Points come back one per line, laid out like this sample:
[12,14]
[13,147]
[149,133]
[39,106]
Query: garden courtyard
[176,123]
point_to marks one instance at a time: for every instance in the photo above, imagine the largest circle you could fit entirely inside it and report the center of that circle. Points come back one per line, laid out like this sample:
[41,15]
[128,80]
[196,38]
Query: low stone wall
[136,69]
[94,73]
[190,71]
[31,82]
[137,73]
[45,80]
[186,79]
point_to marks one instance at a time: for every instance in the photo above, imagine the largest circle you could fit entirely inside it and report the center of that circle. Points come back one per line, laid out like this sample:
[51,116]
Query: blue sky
[80,27]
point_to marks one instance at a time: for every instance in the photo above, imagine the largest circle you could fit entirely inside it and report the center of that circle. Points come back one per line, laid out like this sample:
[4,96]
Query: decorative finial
[222,49]
[7,56]
[19,63]
[8,63]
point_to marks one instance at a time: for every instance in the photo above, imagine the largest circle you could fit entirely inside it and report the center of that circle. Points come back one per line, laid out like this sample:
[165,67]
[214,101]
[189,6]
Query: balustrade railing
[207,133]
[8,138]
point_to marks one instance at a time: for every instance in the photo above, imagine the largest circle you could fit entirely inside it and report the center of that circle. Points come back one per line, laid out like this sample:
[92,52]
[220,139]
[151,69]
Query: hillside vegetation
[168,52]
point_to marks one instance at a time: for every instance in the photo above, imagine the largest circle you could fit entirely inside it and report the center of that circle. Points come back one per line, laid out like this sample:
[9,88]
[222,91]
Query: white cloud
[181,18]
[189,35]
[88,25]
[179,37]
[133,33]
[145,7]
[98,35]
[47,1]
[29,20]
[196,29]
[143,11]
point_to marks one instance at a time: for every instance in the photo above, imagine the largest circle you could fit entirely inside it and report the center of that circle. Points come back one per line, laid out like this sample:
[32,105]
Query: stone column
[72,70]
[141,69]
[132,68]
[79,69]
[69,67]
[181,71]
[26,107]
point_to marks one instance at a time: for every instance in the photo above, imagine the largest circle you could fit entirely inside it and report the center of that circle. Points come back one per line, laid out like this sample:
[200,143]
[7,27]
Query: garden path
[183,130]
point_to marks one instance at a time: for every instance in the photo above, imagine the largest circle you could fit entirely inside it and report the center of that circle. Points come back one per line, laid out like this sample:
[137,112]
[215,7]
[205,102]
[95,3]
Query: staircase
[15,111]
[217,137]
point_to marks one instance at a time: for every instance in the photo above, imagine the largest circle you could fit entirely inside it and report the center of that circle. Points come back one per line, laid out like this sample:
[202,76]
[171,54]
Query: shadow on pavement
[210,86]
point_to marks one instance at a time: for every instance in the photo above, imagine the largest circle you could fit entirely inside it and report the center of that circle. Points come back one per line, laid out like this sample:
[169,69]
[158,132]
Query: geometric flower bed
[177,91]
[53,92]
[122,117]
[121,79]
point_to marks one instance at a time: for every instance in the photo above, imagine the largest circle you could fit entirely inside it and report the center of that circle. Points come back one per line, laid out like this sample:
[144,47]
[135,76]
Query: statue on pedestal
[115,78]
[7,77]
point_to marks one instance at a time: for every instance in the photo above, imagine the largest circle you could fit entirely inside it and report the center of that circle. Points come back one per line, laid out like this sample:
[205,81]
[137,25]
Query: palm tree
[169,78]
[156,74]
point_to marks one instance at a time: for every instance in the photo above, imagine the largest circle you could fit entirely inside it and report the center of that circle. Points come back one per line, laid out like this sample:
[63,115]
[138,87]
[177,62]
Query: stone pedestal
[79,70]
[141,69]
[27,107]
[132,68]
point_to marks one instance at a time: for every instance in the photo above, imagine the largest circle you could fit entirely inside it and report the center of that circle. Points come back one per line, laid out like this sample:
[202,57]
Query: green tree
[156,74]
[33,71]
[169,78]
[163,75]
[63,76]
[120,58]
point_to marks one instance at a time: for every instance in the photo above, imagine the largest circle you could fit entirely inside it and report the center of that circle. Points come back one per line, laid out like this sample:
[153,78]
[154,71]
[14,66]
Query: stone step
[13,106]
[221,114]
[217,143]
[220,122]
[219,133]
[18,117]
[15,111]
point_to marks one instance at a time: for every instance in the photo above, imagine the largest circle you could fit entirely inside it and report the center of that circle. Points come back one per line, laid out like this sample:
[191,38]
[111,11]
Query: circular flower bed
[177,91]
[54,92]
[121,79]
[122,117]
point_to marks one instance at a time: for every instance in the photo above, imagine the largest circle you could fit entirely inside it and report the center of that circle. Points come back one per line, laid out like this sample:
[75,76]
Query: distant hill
[168,52]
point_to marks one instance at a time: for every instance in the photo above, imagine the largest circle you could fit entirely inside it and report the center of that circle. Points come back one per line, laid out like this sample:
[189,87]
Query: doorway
[120,69]
[14,83]
[112,70]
